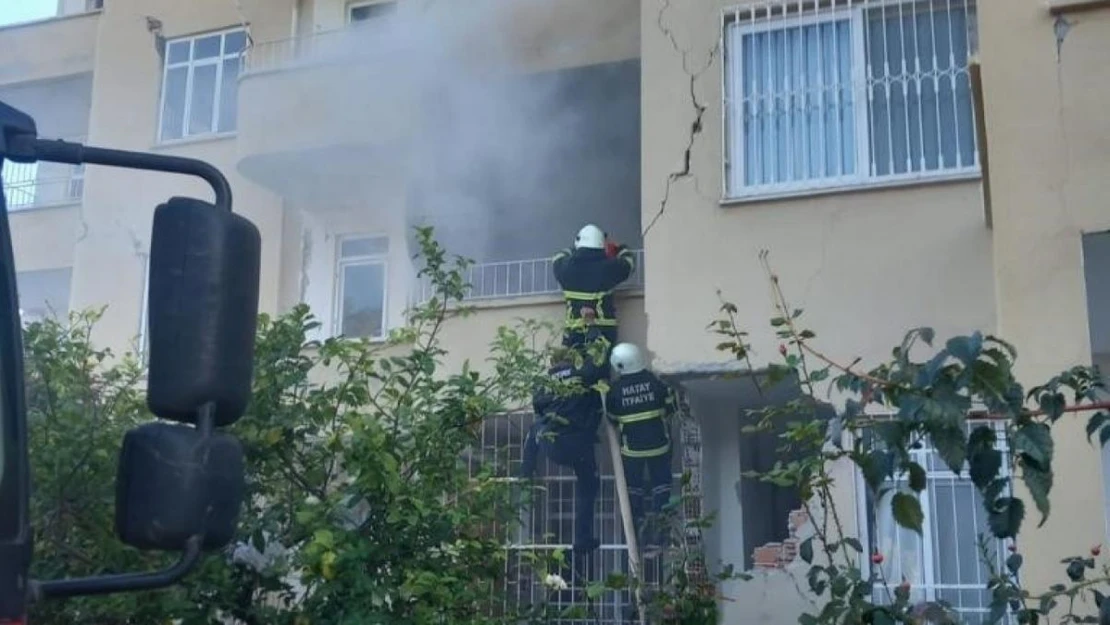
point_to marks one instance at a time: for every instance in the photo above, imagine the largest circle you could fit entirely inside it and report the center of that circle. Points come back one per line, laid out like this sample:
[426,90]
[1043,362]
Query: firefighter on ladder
[587,275]
[640,405]
[565,430]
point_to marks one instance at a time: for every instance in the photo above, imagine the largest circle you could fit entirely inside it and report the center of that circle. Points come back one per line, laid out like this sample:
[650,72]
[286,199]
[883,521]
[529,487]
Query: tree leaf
[984,466]
[950,443]
[806,550]
[854,544]
[917,477]
[1076,571]
[966,349]
[1035,441]
[907,511]
[1095,423]
[1013,563]
[1006,517]
[1039,484]
[1053,405]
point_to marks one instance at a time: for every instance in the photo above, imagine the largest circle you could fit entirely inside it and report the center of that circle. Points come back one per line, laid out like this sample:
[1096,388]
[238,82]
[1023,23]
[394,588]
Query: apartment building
[853,139]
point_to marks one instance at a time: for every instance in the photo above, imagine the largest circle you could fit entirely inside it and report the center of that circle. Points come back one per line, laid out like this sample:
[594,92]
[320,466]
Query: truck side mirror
[174,483]
[202,311]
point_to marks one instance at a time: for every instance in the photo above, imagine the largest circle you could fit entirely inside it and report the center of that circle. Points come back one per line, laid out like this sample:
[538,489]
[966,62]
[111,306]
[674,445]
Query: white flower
[312,500]
[555,581]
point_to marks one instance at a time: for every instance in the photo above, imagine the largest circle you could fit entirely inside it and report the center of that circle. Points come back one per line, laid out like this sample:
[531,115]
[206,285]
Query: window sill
[35,208]
[209,138]
[851,187]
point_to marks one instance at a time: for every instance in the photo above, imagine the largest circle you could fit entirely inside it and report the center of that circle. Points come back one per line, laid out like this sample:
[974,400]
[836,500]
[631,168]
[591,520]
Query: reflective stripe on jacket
[640,405]
[588,278]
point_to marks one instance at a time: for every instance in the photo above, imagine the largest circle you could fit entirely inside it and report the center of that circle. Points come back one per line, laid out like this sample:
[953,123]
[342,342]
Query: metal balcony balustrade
[305,50]
[37,185]
[517,278]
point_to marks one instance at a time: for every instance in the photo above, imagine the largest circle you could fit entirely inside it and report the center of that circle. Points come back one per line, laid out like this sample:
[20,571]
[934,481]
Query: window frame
[733,188]
[863,502]
[351,6]
[190,65]
[340,265]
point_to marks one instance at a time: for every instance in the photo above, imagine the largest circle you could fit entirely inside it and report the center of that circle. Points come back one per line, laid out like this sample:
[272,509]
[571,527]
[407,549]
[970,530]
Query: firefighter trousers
[573,449]
[649,490]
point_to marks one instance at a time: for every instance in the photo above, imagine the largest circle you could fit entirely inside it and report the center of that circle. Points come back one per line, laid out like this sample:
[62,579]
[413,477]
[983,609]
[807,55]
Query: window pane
[173,110]
[363,305]
[229,95]
[179,52]
[370,11]
[202,100]
[234,42]
[207,47]
[921,117]
[43,294]
[368,246]
[798,119]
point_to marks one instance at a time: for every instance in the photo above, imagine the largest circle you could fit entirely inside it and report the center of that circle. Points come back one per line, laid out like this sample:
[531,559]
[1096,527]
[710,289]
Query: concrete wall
[1050,150]
[47,49]
[119,204]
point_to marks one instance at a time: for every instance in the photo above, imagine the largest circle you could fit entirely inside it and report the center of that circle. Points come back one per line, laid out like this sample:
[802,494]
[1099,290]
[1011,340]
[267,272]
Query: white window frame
[929,574]
[732,144]
[191,65]
[342,263]
[365,3]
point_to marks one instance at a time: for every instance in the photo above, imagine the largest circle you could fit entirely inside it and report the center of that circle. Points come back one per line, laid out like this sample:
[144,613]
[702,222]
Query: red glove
[611,249]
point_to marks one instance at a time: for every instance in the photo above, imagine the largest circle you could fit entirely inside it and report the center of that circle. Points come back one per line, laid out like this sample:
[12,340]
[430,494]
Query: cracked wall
[119,204]
[1046,83]
[844,257]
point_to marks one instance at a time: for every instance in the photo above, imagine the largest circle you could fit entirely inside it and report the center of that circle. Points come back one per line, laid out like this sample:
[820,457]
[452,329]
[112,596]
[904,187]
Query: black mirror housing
[174,482]
[202,311]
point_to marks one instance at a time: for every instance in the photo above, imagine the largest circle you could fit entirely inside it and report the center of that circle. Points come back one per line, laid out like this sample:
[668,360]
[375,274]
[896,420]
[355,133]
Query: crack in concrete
[696,126]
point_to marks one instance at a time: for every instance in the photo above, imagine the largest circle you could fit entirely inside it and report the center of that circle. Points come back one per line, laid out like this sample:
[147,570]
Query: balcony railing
[324,47]
[36,185]
[518,278]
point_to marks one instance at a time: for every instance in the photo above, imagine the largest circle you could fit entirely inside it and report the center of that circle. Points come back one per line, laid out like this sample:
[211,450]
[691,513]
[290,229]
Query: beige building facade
[848,138]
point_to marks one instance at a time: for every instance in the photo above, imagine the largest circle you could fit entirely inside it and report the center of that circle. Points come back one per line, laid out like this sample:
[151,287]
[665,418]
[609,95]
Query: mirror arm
[105,584]
[57,151]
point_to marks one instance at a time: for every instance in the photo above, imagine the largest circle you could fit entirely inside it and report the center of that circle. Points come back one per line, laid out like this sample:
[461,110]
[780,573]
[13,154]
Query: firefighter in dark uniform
[565,430]
[587,276]
[640,405]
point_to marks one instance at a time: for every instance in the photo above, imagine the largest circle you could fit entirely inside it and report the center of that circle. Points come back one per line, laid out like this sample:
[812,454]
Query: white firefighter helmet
[590,236]
[627,359]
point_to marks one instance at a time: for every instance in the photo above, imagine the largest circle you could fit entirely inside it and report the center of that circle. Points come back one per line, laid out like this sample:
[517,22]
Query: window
[43,294]
[944,563]
[360,298]
[94,5]
[200,86]
[858,92]
[20,183]
[367,11]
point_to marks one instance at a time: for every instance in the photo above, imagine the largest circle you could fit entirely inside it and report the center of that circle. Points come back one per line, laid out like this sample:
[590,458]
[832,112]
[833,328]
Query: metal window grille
[830,93]
[34,185]
[548,524]
[200,84]
[517,278]
[944,563]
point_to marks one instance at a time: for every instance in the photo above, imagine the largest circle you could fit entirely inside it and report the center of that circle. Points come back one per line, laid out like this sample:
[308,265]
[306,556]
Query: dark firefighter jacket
[572,404]
[588,277]
[640,405]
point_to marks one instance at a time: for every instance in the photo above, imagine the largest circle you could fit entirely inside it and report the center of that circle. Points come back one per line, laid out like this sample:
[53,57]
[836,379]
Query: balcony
[43,185]
[518,279]
[49,48]
[330,118]
[319,122]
